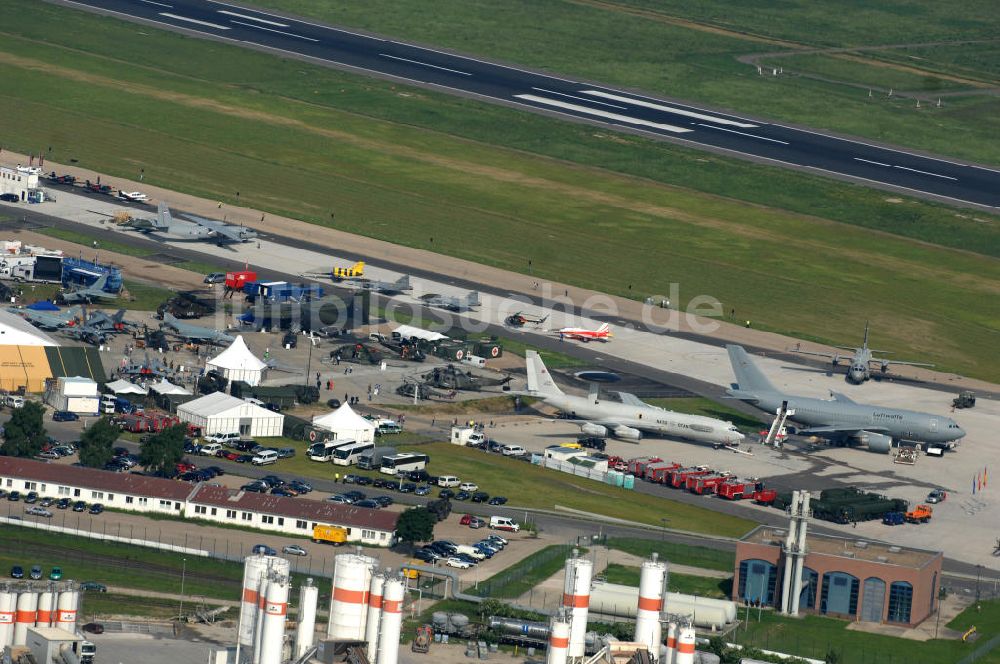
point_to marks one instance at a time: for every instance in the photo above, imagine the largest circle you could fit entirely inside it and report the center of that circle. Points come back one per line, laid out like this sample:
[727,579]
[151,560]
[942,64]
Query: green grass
[98,606]
[485,406]
[680,554]
[708,408]
[837,68]
[524,575]
[87,240]
[688,584]
[407,165]
[143,296]
[553,359]
[691,62]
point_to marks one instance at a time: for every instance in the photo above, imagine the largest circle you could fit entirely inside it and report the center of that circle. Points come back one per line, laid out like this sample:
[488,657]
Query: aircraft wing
[631,400]
[227,231]
[823,354]
[909,364]
[819,431]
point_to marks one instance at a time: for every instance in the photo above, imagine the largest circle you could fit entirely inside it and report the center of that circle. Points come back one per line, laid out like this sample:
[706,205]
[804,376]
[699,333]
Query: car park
[93,586]
[36,572]
[17,572]
[64,416]
[294,550]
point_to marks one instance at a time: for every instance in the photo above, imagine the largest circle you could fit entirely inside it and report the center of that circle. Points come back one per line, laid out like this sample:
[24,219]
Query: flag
[973,486]
[984,476]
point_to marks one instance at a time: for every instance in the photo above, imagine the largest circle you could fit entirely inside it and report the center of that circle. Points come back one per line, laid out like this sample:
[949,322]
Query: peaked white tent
[125,387]
[345,424]
[166,387]
[238,363]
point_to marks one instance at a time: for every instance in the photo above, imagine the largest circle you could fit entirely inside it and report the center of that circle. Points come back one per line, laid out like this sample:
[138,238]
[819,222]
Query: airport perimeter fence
[981,651]
[521,579]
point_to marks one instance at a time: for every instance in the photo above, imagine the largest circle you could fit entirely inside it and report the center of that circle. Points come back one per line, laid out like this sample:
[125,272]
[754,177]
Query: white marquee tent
[125,387]
[238,363]
[345,424]
[222,413]
[166,387]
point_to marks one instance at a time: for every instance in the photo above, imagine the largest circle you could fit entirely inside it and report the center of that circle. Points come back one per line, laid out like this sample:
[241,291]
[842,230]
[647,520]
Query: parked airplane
[840,419]
[450,303]
[196,333]
[197,229]
[627,419]
[49,320]
[96,327]
[860,363]
[401,285]
[356,271]
[602,333]
[88,294]
[134,196]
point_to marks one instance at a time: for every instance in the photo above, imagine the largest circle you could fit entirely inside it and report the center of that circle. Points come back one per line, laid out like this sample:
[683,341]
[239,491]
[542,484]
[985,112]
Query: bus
[347,455]
[403,463]
[325,450]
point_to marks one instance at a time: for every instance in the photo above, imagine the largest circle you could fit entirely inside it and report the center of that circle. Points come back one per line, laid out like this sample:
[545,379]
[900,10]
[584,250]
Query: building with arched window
[844,578]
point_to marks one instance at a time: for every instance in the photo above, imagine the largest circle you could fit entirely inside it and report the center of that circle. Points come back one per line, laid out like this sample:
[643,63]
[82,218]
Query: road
[744,137]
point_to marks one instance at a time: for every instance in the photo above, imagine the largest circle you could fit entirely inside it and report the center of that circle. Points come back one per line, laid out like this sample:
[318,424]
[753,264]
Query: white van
[223,438]
[13,401]
[265,457]
[503,523]
[513,450]
[449,481]
[211,449]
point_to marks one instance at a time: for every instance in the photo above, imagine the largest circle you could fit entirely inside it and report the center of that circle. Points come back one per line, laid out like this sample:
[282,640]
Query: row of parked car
[56,450]
[276,486]
[359,499]
[421,484]
[40,504]
[461,556]
[35,574]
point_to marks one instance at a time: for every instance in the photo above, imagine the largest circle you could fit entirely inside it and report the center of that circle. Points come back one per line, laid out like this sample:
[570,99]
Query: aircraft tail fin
[163,219]
[403,283]
[749,379]
[101,282]
[539,380]
[358,268]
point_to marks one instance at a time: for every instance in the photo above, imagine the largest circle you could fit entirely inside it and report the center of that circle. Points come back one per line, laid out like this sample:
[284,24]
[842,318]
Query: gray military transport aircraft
[859,369]
[626,419]
[840,419]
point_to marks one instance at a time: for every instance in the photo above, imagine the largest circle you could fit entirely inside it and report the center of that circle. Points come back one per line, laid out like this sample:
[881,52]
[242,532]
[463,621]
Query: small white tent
[238,363]
[125,387]
[345,424]
[166,387]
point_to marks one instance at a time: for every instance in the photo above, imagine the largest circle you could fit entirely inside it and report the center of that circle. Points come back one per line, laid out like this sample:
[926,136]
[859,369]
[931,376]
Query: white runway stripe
[280,32]
[195,21]
[253,18]
[589,101]
[743,133]
[668,109]
[603,114]
[424,64]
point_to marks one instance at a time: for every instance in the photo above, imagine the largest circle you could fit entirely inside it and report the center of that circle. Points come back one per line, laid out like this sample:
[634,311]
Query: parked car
[463,495]
[64,503]
[407,487]
[493,537]
[48,454]
[36,572]
[64,416]
[17,572]
[264,549]
[469,486]
[460,563]
[93,586]
[31,498]
[446,493]
[14,496]
[363,480]
[55,574]
[286,452]
[355,495]
[936,496]
[9,198]
[295,550]
[369,503]
[285,492]
[426,555]
[301,486]
[96,508]
[79,506]
[46,502]
[215,278]
[480,497]
[384,501]
[93,628]
[39,511]
[340,499]
[497,500]
[422,490]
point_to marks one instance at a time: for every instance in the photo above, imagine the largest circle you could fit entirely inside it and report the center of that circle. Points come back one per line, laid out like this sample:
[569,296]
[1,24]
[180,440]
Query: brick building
[843,577]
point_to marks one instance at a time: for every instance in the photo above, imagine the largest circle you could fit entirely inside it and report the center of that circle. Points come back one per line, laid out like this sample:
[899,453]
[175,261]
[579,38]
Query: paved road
[576,100]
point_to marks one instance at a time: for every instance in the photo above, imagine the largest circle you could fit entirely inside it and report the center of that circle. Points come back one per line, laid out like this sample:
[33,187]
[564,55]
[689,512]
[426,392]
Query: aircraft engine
[626,433]
[594,430]
[876,442]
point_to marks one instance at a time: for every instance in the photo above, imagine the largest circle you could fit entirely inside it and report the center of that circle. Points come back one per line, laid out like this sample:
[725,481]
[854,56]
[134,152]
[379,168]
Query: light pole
[183,576]
[664,520]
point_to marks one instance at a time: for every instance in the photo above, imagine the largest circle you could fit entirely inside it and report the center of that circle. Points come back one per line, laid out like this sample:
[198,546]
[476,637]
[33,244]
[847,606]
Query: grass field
[524,575]
[688,584]
[98,606]
[681,554]
[418,165]
[553,359]
[690,51]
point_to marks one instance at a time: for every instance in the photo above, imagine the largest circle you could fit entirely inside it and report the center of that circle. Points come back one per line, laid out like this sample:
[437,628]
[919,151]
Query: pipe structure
[374,615]
[305,635]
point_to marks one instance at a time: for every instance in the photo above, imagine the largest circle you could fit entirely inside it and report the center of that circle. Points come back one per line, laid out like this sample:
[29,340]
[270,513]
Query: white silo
[374,614]
[685,645]
[254,569]
[258,628]
[576,598]
[393,593]
[27,610]
[352,576]
[305,635]
[652,582]
[671,651]
[275,613]
[46,608]
[8,605]
[558,640]
[69,600]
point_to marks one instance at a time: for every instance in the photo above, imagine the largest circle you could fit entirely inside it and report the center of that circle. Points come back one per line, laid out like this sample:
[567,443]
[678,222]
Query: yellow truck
[334,535]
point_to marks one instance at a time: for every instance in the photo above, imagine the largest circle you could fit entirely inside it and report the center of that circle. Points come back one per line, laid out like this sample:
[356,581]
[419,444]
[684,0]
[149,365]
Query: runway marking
[158,4]
[299,21]
[743,133]
[195,21]
[603,114]
[425,64]
[249,18]
[280,32]
[869,161]
[937,175]
[589,101]
[668,109]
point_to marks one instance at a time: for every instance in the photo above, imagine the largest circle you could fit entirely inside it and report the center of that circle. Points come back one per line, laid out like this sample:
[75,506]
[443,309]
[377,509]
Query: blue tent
[44,305]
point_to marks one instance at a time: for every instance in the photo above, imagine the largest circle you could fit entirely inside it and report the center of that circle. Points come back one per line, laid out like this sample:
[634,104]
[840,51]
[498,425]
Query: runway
[744,137]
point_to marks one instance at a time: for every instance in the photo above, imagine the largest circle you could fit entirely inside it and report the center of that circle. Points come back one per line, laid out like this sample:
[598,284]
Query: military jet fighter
[88,294]
[457,304]
[196,333]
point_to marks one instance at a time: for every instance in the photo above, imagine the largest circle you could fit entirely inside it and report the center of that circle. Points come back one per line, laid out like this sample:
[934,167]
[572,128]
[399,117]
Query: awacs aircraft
[197,229]
[450,303]
[88,294]
[49,320]
[839,419]
[860,363]
[356,271]
[626,419]
[602,333]
[196,333]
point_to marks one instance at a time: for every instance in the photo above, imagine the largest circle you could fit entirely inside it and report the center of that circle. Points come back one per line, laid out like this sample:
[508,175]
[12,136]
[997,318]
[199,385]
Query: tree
[24,434]
[416,525]
[96,443]
[162,452]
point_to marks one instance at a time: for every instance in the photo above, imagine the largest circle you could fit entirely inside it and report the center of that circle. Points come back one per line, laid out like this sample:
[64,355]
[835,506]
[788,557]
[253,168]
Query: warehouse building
[223,413]
[142,494]
[292,516]
[846,578]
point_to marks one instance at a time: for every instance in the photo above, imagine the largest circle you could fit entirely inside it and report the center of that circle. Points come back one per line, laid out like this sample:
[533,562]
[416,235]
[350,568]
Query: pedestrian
[346,397]
[748,325]
[318,383]
[336,477]
[433,420]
